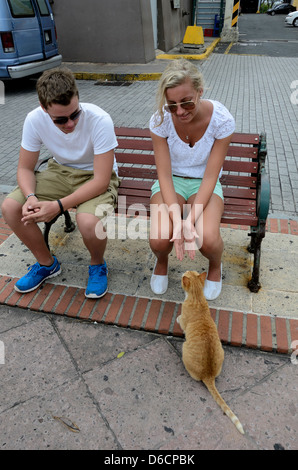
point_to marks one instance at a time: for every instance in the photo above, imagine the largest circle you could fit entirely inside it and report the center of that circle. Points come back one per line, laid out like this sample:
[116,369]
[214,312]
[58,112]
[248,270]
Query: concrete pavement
[84,374]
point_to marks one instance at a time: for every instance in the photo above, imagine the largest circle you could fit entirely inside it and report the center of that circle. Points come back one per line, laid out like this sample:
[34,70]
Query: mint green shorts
[186,187]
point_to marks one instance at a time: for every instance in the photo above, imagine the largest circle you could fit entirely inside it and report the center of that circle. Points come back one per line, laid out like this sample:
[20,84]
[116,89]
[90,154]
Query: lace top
[192,161]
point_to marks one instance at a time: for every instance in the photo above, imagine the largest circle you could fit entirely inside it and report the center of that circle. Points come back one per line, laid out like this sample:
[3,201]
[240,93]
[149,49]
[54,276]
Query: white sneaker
[212,289]
[159,284]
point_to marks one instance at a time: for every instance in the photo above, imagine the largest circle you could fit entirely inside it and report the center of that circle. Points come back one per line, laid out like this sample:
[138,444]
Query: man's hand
[35,211]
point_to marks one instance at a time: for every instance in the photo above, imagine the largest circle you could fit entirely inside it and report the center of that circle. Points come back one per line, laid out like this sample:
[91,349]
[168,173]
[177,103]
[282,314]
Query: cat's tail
[210,384]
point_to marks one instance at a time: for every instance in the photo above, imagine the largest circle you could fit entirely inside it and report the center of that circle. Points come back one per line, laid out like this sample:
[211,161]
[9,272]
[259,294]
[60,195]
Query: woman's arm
[215,162]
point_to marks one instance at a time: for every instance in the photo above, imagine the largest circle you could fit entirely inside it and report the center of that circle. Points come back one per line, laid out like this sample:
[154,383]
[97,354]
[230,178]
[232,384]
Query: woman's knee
[160,245]
[211,241]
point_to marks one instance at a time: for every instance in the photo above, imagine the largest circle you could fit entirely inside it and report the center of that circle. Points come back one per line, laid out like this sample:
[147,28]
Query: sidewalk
[107,374]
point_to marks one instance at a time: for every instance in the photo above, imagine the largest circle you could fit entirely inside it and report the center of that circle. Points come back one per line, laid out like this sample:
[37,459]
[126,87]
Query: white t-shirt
[192,161]
[93,135]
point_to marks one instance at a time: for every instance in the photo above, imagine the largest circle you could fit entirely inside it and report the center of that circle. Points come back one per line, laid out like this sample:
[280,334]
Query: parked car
[282,9]
[292,18]
[28,41]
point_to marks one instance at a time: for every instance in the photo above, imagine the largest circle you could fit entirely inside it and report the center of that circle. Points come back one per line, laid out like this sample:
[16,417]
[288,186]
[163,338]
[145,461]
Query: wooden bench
[245,185]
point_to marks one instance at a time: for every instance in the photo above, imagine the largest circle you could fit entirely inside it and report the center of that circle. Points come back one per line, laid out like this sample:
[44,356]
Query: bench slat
[242,193]
[239,219]
[129,171]
[242,152]
[243,138]
[135,158]
[244,167]
[132,132]
[242,181]
[139,144]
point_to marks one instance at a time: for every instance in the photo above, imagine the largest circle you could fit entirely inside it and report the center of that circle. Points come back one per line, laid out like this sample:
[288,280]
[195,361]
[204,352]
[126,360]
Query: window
[21,8]
[43,7]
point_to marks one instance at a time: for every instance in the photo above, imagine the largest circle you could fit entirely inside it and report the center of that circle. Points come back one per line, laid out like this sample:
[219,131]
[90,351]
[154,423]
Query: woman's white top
[191,161]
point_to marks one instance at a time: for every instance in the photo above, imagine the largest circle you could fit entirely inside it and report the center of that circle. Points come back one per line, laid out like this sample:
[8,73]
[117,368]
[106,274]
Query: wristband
[60,206]
[29,195]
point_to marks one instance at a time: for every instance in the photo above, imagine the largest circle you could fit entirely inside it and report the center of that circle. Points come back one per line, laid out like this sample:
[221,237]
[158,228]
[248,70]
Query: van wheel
[295,22]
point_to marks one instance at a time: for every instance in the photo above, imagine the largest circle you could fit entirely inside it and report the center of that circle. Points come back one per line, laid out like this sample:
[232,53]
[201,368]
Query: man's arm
[44,211]
[103,165]
[25,172]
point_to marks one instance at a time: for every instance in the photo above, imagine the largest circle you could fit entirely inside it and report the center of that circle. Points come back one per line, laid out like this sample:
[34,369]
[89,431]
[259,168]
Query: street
[265,35]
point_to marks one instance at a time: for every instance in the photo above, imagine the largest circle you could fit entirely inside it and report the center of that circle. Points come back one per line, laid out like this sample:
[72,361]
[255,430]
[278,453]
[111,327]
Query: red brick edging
[262,332]
[267,333]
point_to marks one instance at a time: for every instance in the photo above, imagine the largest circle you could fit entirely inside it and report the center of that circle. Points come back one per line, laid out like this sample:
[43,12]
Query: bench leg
[68,227]
[255,248]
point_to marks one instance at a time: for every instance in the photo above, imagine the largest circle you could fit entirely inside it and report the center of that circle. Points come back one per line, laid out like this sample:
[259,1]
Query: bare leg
[94,236]
[30,234]
[212,247]
[161,231]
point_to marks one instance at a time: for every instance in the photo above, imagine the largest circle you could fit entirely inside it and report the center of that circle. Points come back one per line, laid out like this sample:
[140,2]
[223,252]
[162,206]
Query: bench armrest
[263,196]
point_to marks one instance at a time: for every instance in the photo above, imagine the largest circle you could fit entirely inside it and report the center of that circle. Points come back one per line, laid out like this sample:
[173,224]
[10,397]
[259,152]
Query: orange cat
[202,352]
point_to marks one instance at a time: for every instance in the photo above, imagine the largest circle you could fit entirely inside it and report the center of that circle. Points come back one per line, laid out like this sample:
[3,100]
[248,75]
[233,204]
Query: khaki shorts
[58,181]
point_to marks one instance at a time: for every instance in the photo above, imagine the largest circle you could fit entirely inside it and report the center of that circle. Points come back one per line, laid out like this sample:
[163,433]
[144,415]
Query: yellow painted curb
[191,56]
[117,77]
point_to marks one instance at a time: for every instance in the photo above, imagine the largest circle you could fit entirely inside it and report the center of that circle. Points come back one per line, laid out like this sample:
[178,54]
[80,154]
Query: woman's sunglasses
[188,105]
[64,119]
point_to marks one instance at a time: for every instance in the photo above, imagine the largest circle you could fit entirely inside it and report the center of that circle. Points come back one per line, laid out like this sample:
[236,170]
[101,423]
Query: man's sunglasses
[64,119]
[188,105]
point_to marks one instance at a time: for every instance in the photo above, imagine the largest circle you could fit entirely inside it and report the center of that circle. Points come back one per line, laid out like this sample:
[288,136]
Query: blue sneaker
[36,275]
[98,281]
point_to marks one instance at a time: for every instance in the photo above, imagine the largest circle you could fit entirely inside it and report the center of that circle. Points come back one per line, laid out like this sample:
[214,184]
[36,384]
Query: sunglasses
[64,119]
[188,105]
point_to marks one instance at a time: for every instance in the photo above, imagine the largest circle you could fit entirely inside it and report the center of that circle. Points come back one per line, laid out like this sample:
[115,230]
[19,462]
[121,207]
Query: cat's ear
[203,276]
[185,281]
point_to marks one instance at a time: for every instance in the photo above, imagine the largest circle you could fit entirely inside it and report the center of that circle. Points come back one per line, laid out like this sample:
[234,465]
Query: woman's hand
[190,238]
[184,239]
[178,240]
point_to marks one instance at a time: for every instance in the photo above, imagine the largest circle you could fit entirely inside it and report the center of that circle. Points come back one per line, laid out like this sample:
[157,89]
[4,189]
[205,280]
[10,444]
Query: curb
[203,56]
[117,77]
[131,77]
[270,334]
[242,329]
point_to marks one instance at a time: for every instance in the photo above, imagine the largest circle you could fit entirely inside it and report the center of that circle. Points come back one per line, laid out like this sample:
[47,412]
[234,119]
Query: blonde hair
[176,73]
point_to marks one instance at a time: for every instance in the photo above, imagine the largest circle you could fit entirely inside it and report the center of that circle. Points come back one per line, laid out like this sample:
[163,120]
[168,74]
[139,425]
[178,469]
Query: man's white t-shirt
[93,135]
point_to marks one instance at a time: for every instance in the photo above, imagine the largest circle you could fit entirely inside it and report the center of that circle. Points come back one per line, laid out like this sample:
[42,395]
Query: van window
[21,8]
[43,8]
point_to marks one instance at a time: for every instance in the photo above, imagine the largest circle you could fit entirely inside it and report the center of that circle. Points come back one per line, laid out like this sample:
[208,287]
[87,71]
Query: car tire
[295,22]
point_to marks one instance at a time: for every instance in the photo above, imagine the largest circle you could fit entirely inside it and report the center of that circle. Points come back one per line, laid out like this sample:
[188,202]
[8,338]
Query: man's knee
[10,208]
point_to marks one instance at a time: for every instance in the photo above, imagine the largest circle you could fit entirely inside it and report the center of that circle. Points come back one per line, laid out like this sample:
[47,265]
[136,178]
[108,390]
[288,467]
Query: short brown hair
[56,86]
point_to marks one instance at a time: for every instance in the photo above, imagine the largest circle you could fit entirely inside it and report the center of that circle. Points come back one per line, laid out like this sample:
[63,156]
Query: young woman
[190,137]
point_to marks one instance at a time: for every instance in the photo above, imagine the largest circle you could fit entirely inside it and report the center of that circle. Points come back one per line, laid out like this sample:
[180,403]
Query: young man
[82,173]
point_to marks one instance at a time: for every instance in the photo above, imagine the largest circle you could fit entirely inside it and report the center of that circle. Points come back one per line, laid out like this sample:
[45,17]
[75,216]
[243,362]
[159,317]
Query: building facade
[119,31]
